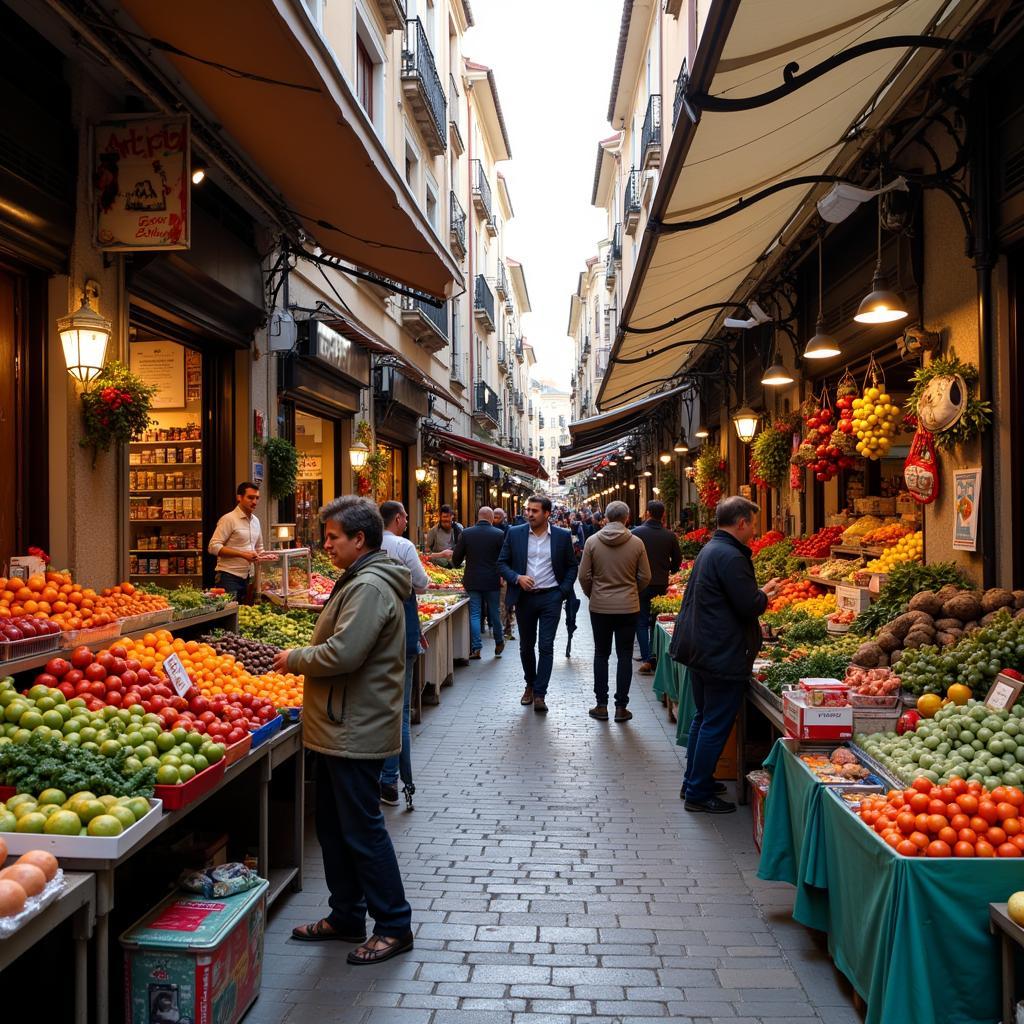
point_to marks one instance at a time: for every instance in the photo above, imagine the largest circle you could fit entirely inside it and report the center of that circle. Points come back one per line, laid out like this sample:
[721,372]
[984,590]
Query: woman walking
[613,572]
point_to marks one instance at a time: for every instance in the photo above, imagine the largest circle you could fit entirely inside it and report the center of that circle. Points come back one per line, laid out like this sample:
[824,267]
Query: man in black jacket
[717,637]
[664,558]
[479,547]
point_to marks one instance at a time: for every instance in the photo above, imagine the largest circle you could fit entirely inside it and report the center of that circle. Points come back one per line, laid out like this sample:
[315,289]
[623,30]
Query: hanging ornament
[921,470]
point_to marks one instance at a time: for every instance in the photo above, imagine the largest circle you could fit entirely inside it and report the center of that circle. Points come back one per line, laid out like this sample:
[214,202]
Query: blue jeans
[619,628]
[538,613]
[718,701]
[477,599]
[401,764]
[359,860]
[236,586]
[645,623]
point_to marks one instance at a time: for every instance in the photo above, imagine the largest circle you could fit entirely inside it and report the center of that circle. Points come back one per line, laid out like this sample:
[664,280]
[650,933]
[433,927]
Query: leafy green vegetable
[46,763]
[904,581]
[777,560]
[827,661]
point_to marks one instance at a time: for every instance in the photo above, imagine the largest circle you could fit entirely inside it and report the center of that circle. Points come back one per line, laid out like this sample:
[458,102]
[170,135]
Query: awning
[304,132]
[615,426]
[726,156]
[471,448]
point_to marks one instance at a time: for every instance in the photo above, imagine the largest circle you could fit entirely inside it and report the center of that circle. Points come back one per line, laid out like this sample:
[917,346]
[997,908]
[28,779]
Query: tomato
[963,849]
[1008,850]
[58,667]
[998,794]
[949,836]
[46,679]
[936,823]
[1006,810]
[119,651]
[919,839]
[97,688]
[996,836]
[905,822]
[984,849]
[81,657]
[1018,840]
[1014,796]
[951,810]
[968,803]
[106,659]
[958,785]
[74,676]
[906,848]
[114,699]
[980,825]
[67,689]
[967,835]
[919,803]
[938,849]
[959,821]
[947,793]
[921,821]
[922,785]
[936,806]
[988,811]
[112,683]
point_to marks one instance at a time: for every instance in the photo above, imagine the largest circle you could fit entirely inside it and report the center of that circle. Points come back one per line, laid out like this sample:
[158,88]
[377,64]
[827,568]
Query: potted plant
[282,459]
[115,410]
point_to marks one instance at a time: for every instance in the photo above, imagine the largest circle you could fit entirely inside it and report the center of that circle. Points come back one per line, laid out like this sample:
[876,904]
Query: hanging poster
[141,170]
[966,495]
[310,467]
[193,376]
[161,363]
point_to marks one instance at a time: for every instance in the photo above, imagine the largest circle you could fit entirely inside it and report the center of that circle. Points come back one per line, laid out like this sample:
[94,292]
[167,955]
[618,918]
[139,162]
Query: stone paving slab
[555,879]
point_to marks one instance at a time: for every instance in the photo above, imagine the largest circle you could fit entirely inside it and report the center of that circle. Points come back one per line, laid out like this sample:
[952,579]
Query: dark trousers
[538,613]
[236,586]
[645,623]
[718,702]
[359,860]
[619,628]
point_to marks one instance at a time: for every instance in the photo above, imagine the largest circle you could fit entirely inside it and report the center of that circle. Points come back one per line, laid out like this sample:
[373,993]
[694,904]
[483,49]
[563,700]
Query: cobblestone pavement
[555,878]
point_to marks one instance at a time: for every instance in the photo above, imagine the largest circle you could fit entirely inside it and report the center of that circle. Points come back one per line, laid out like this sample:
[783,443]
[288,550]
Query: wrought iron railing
[418,63]
[651,134]
[484,297]
[501,281]
[520,350]
[485,400]
[631,203]
[481,188]
[437,315]
[615,252]
[502,354]
[457,215]
[677,103]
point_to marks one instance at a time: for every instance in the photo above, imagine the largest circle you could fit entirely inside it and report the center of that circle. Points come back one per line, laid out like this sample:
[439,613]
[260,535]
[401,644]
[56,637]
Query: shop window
[316,483]
[364,78]
[390,486]
[165,468]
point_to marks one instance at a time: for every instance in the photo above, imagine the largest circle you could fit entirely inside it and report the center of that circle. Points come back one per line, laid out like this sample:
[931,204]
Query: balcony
[585,352]
[422,87]
[503,360]
[611,269]
[631,202]
[392,13]
[520,350]
[481,191]
[540,443]
[681,83]
[601,362]
[501,282]
[458,371]
[485,404]
[456,226]
[529,409]
[529,449]
[540,420]
[454,116]
[427,323]
[650,138]
[483,303]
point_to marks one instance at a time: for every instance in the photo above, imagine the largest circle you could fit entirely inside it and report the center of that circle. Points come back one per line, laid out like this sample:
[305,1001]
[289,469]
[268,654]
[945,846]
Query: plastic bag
[223,880]
[921,470]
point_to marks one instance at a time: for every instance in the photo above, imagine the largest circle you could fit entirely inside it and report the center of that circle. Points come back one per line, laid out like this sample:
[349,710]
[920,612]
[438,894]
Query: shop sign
[161,364]
[966,496]
[311,467]
[327,346]
[141,172]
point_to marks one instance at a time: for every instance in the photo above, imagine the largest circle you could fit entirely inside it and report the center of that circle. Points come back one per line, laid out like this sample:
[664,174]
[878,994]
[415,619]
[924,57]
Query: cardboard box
[815,723]
[852,599]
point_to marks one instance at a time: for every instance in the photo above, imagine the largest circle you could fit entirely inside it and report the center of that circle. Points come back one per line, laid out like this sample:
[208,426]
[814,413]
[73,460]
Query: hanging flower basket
[116,409]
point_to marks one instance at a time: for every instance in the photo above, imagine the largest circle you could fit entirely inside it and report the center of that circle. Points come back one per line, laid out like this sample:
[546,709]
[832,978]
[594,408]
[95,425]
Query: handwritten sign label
[1004,692]
[177,674]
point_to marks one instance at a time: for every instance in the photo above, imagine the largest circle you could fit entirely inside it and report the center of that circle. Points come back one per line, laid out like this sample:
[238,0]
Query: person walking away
[479,547]
[664,557]
[613,573]
[237,542]
[402,550]
[717,636]
[441,538]
[507,611]
[352,720]
[538,563]
[579,538]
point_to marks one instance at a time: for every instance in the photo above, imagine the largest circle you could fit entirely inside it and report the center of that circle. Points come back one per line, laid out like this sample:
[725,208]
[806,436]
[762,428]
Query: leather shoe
[623,714]
[474,656]
[600,712]
[646,668]
[527,697]
[717,787]
[713,805]
[498,648]
[539,706]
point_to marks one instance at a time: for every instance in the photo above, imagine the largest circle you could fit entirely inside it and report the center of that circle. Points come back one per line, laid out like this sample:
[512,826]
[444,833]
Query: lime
[151,762]
[83,794]
[165,742]
[196,740]
[15,710]
[105,825]
[51,796]
[186,772]
[123,815]
[46,703]
[139,806]
[110,748]
[26,807]
[63,823]
[8,822]
[108,800]
[38,691]
[213,753]
[20,798]
[57,697]
[199,762]
[180,735]
[167,775]
[8,696]
[32,822]
[48,809]
[87,745]
[89,809]
[88,733]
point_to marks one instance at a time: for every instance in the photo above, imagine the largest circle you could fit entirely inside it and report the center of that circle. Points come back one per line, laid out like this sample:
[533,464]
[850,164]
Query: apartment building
[550,427]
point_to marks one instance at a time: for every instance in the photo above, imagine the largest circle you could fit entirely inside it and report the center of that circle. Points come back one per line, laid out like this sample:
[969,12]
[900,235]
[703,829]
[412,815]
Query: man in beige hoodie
[613,571]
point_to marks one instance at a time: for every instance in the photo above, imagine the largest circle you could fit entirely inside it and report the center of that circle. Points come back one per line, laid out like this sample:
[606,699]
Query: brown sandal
[380,948]
[322,931]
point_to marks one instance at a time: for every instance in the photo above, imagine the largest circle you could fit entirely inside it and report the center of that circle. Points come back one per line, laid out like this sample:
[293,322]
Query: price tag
[177,674]
[1004,692]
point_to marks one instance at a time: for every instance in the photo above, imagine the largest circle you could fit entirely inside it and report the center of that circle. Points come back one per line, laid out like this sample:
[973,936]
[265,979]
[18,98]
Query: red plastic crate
[183,793]
[237,751]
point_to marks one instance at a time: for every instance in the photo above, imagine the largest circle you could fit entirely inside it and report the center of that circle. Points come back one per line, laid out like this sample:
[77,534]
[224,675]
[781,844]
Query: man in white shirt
[401,549]
[238,542]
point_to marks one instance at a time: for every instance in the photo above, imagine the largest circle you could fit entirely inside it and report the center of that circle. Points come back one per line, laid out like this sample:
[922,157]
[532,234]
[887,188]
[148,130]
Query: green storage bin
[192,960]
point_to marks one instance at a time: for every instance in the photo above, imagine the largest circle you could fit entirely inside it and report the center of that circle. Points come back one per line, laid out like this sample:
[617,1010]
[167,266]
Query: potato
[868,655]
[945,639]
[926,601]
[1018,599]
[948,591]
[948,624]
[965,607]
[888,641]
[997,598]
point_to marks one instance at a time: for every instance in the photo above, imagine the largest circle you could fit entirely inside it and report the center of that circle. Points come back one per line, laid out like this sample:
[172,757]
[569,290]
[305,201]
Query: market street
[555,877]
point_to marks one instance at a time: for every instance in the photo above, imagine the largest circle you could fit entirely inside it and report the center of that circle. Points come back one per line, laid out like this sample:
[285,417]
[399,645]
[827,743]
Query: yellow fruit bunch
[876,419]
[906,549]
[817,606]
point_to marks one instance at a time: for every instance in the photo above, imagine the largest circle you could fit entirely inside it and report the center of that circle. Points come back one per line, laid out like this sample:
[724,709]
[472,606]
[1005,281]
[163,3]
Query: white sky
[553,61]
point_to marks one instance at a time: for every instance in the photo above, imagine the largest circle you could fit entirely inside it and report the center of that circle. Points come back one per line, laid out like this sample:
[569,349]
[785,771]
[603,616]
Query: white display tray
[85,847]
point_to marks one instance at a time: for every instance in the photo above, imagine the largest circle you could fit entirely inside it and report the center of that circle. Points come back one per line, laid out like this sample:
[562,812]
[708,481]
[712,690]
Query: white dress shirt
[241,532]
[401,549]
[538,560]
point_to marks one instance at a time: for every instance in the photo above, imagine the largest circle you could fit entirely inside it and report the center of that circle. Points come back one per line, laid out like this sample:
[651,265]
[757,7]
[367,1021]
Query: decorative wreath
[977,415]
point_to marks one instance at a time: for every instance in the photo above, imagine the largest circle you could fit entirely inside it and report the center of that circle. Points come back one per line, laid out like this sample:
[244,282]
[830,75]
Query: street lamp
[665,458]
[421,474]
[745,420]
[84,335]
[358,453]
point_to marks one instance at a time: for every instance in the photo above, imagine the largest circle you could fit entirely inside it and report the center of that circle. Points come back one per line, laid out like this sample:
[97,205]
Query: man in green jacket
[352,718]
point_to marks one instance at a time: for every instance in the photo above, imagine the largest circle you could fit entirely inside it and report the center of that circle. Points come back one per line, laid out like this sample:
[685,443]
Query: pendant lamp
[822,345]
[880,305]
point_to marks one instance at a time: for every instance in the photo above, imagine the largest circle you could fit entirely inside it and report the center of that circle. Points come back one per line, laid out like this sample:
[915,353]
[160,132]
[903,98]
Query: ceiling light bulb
[822,345]
[776,376]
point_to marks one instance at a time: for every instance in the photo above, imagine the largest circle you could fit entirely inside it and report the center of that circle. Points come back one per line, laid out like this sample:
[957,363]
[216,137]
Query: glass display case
[283,577]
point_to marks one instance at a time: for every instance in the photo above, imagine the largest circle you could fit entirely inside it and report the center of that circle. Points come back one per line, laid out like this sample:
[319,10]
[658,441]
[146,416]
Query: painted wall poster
[161,363]
[966,495]
[141,180]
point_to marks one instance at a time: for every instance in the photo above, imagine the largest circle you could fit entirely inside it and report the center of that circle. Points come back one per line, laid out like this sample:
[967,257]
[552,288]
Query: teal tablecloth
[911,935]
[672,680]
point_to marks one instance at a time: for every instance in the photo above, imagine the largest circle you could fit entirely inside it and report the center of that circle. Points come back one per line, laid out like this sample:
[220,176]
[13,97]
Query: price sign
[178,675]
[1004,692]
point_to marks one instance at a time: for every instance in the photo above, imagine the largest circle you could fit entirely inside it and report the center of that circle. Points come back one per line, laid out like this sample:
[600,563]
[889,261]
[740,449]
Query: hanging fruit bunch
[876,417]
[845,437]
[769,455]
[819,451]
[709,476]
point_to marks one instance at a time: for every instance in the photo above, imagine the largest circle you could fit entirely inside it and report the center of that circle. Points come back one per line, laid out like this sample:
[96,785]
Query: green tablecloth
[911,935]
[672,680]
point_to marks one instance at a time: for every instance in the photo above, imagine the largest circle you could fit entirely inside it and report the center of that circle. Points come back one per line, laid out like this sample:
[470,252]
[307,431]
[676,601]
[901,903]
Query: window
[316,11]
[412,166]
[364,78]
[432,205]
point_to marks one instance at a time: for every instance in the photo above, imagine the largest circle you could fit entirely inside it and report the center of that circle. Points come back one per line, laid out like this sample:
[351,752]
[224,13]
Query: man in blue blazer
[539,565]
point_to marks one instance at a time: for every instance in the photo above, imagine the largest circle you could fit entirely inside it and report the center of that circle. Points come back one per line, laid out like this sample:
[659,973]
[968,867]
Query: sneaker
[600,712]
[498,648]
[623,714]
[646,668]
[713,805]
[540,706]
[388,794]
